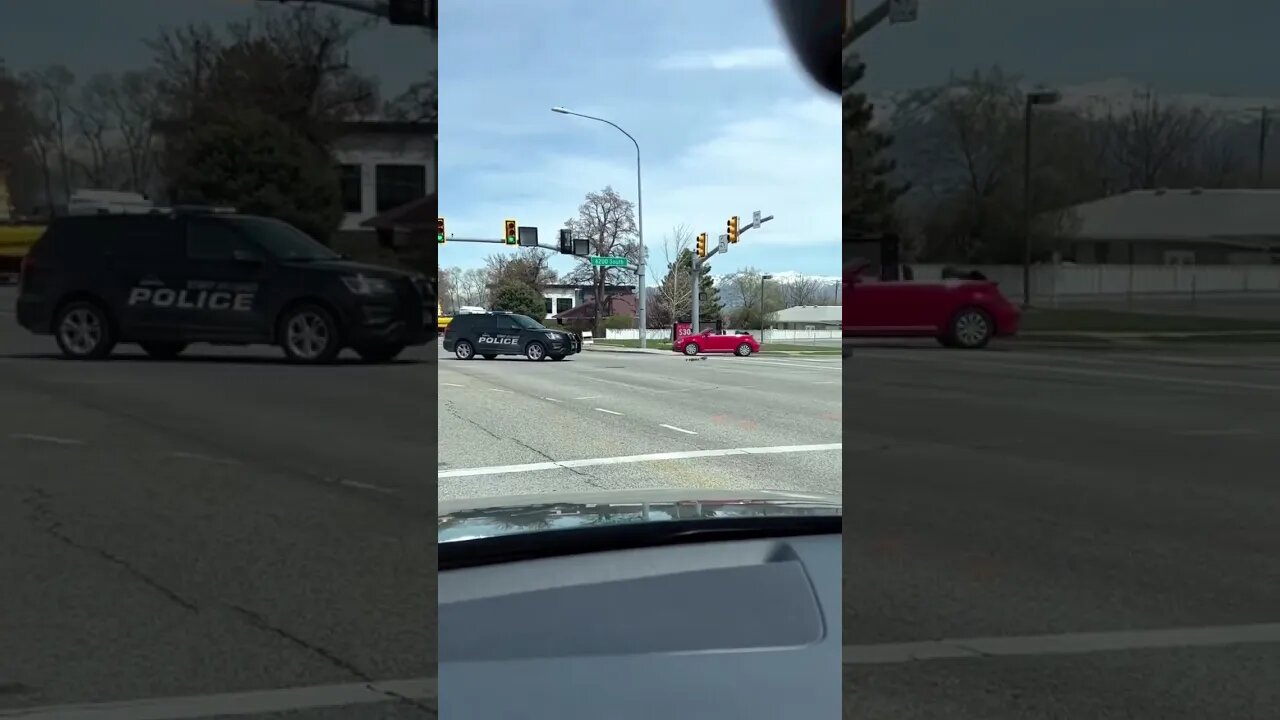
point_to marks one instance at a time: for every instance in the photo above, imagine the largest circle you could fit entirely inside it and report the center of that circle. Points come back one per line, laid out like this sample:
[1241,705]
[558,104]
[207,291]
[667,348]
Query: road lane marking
[202,458]
[1223,432]
[500,390]
[256,702]
[673,427]
[1063,644]
[1147,377]
[366,486]
[452,384]
[611,412]
[551,399]
[46,439]
[627,459]
[587,397]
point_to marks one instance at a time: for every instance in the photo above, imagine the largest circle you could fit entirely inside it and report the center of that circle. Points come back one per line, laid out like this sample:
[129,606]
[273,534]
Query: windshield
[282,240]
[693,364]
[527,323]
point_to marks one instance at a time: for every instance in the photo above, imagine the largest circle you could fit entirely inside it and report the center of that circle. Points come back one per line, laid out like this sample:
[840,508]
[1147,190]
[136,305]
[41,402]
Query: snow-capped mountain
[1117,94]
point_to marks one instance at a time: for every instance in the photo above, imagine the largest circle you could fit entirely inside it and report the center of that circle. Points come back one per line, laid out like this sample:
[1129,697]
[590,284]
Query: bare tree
[803,290]
[51,88]
[417,104]
[93,120]
[608,222]
[1148,140]
[672,289]
[292,62]
[471,286]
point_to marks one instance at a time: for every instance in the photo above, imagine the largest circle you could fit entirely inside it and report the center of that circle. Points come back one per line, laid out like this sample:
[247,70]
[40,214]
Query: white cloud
[757,58]
[784,161]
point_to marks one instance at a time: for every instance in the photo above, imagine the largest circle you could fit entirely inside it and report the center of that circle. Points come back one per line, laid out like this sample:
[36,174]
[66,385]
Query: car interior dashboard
[739,625]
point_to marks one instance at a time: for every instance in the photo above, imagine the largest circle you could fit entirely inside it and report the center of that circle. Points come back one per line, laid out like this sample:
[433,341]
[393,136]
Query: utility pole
[695,267]
[1264,129]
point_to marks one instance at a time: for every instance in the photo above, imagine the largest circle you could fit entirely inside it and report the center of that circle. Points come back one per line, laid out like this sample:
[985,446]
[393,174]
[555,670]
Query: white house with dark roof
[1178,227]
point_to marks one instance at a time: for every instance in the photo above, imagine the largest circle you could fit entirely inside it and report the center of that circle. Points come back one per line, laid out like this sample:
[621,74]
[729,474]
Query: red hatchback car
[741,344]
[959,313]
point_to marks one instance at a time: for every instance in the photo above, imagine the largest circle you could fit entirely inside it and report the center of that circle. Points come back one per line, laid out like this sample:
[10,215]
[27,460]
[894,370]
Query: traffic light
[731,229]
[702,245]
[509,234]
[566,241]
[440,230]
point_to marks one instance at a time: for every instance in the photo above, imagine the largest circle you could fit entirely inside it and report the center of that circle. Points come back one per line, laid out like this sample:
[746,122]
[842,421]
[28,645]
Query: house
[382,165]
[577,302]
[806,317]
[1177,227]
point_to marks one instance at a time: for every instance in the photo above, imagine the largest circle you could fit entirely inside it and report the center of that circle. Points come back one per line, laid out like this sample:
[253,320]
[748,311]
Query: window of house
[548,304]
[400,184]
[563,304]
[349,184]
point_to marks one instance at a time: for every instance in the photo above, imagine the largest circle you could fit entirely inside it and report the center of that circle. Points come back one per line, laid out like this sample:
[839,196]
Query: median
[1076,325]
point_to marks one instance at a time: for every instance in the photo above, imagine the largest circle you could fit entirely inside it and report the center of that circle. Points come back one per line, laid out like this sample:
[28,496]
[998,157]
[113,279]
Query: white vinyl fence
[796,337]
[1085,282]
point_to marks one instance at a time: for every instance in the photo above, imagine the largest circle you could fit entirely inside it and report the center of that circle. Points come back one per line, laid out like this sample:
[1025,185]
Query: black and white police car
[172,277]
[493,333]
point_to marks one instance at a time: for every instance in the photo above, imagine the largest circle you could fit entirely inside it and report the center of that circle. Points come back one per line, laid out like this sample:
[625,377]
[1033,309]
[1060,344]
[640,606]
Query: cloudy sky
[726,124]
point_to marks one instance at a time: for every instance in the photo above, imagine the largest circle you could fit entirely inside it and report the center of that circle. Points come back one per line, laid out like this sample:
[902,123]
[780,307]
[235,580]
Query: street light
[1034,97]
[762,279]
[642,314]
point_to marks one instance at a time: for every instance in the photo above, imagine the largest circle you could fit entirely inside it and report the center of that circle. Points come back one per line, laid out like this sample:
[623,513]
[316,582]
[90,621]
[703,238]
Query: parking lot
[1062,534]
[195,530]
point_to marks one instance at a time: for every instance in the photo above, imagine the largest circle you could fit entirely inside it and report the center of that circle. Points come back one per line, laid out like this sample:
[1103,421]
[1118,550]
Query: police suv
[494,333]
[172,277]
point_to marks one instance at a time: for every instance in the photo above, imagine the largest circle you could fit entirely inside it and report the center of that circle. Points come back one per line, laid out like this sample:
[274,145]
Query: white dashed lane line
[611,412]
[45,439]
[452,384]
[551,399]
[673,427]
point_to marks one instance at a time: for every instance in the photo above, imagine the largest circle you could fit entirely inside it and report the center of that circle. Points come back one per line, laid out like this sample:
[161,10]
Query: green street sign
[600,261]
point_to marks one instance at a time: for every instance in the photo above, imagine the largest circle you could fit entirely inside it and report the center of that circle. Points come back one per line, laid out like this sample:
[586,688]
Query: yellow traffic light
[509,234]
[440,230]
[731,229]
[702,245]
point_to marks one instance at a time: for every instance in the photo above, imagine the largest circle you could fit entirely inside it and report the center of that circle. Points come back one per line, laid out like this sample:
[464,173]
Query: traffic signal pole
[696,270]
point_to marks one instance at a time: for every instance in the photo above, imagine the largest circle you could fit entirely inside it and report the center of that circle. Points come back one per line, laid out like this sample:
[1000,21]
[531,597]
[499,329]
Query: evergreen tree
[674,299]
[869,194]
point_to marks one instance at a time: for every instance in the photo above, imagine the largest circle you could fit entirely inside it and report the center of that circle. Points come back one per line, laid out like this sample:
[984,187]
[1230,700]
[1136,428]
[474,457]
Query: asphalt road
[1015,516]
[192,531]
[625,406]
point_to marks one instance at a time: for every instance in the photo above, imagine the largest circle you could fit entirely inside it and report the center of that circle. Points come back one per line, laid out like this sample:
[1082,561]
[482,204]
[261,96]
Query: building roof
[417,215]
[811,314]
[1188,215]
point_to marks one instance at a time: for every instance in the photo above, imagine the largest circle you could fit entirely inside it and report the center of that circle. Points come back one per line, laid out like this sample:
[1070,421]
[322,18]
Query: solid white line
[673,427]
[551,399]
[1064,644]
[234,704]
[46,439]
[1159,379]
[626,459]
[1225,432]
[607,411]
